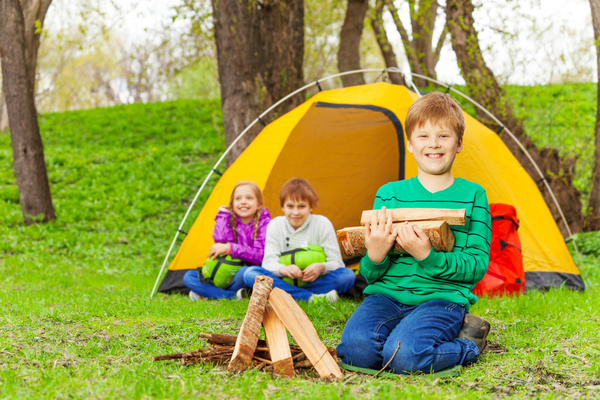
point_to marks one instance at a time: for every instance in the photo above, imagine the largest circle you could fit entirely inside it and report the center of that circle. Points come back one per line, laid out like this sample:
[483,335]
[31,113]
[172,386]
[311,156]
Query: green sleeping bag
[221,270]
[302,257]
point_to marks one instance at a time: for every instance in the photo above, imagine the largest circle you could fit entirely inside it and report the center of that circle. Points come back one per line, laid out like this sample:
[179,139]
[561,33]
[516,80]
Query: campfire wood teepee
[276,310]
[293,318]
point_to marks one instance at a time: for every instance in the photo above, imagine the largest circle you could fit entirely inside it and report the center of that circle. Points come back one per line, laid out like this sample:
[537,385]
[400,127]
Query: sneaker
[240,294]
[476,330]
[331,296]
[194,296]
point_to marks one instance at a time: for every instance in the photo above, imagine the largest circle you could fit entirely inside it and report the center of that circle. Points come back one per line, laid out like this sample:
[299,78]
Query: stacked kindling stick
[222,346]
[277,311]
[434,222]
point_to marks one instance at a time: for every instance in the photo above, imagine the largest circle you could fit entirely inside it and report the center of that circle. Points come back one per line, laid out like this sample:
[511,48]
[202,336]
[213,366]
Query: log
[449,215]
[176,356]
[278,344]
[223,339]
[302,330]
[248,336]
[352,240]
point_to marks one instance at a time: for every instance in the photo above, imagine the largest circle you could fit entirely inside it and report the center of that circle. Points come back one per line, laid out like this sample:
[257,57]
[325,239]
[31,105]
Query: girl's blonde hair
[259,201]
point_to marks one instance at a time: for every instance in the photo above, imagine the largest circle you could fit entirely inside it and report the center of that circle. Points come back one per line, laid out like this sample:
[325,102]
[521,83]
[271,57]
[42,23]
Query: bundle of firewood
[275,353]
[434,222]
[221,351]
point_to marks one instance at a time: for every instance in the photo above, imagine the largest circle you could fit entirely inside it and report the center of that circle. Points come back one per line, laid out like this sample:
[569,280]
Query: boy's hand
[219,249]
[312,272]
[412,239]
[379,235]
[291,271]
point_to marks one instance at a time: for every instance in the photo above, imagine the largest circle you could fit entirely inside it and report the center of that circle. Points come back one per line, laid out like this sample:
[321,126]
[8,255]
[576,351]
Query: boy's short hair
[297,189]
[438,108]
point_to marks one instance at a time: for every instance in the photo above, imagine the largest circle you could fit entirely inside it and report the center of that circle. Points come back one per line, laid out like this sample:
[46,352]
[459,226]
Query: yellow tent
[347,143]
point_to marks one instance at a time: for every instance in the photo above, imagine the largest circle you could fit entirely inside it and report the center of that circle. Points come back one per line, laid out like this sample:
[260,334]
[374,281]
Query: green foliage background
[558,116]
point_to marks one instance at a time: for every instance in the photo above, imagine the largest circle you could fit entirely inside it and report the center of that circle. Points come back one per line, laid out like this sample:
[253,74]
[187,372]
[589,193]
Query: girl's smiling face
[434,148]
[245,203]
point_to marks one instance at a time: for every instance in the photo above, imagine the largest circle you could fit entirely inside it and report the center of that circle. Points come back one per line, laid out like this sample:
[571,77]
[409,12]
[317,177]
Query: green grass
[77,320]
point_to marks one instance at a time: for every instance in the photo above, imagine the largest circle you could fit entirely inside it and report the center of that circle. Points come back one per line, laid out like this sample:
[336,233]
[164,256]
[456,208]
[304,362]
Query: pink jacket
[246,249]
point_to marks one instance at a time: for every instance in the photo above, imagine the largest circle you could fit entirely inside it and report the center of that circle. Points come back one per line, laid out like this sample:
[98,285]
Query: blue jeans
[190,279]
[341,280]
[422,337]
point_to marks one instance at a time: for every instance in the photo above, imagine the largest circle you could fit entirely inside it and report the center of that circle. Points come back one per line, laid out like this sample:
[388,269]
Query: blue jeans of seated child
[341,280]
[423,335]
[190,279]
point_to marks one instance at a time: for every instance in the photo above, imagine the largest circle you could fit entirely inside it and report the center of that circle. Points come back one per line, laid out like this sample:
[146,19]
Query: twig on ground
[390,360]
[569,354]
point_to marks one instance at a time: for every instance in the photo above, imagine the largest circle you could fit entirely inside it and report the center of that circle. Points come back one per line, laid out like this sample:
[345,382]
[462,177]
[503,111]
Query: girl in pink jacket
[239,232]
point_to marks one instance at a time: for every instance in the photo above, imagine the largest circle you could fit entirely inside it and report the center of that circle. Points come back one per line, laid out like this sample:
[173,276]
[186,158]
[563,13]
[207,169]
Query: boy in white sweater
[297,229]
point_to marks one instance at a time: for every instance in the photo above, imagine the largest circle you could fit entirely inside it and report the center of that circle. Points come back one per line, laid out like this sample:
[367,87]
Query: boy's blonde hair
[259,201]
[298,189]
[437,108]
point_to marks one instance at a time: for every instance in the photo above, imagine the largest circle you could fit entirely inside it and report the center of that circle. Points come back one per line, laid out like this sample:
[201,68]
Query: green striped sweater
[440,276]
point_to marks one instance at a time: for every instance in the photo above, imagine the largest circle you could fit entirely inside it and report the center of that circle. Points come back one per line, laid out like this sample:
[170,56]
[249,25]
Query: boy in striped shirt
[417,303]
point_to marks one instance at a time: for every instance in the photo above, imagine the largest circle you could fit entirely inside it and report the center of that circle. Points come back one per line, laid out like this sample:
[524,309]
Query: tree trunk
[593,215]
[34,13]
[28,151]
[484,88]
[260,49]
[349,52]
[422,56]
[376,19]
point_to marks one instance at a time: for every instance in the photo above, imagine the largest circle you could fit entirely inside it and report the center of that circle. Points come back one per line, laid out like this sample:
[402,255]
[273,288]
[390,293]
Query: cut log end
[284,368]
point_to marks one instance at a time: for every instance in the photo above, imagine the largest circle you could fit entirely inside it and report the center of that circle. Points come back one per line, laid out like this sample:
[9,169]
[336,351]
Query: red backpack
[505,272]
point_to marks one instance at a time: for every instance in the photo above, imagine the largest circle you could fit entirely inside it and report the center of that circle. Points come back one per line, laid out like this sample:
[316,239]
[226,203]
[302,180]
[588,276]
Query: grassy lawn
[77,320]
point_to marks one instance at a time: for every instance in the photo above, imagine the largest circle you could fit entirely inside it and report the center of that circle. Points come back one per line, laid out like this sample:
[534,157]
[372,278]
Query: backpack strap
[293,253]
[221,261]
[502,218]
[293,259]
[214,271]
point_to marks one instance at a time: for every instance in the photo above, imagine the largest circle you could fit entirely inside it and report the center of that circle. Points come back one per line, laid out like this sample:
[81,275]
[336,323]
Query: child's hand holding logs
[379,235]
[412,239]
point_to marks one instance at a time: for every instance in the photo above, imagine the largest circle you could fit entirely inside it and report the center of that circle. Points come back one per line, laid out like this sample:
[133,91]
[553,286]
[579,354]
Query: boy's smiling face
[296,211]
[434,148]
